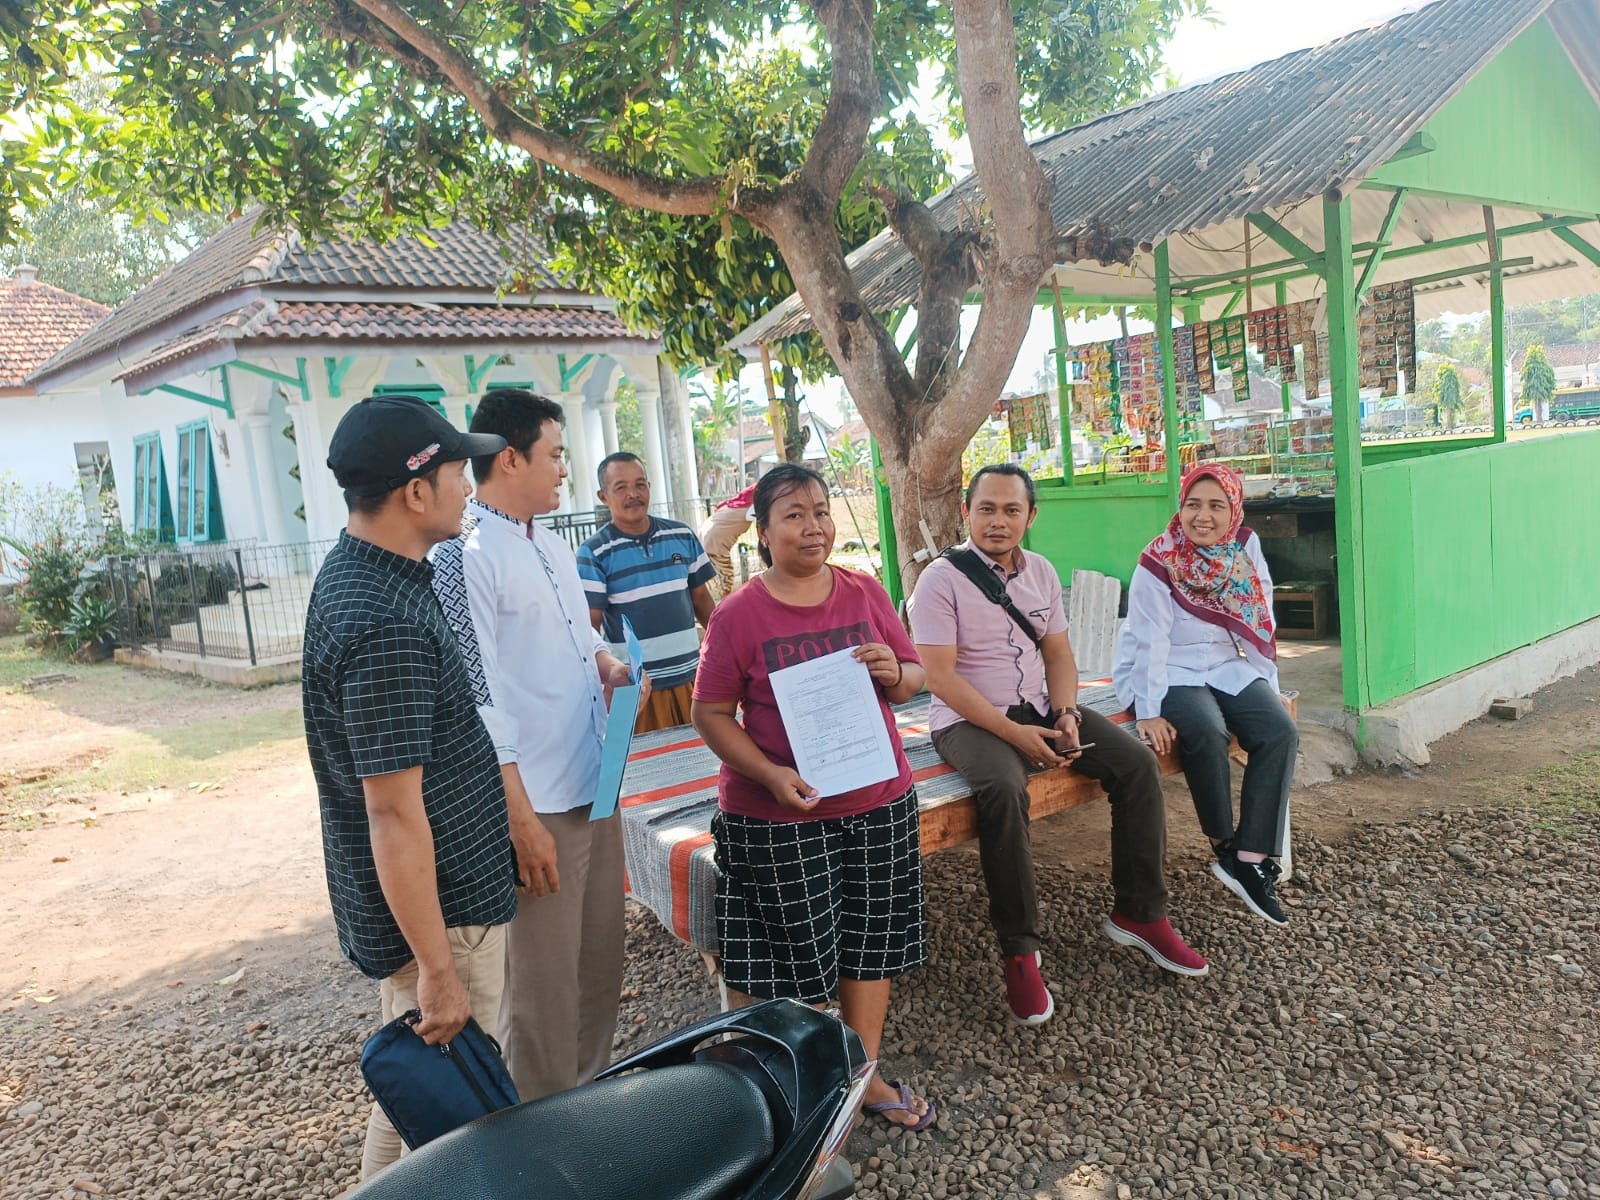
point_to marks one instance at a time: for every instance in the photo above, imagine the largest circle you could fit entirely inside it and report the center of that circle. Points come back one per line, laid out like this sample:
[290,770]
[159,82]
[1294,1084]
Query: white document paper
[836,729]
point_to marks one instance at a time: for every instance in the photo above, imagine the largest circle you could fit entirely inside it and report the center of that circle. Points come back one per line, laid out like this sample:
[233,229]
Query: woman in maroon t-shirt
[817,895]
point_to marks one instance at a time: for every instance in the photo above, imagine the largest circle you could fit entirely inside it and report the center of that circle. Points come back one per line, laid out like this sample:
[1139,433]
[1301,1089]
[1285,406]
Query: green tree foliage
[1446,393]
[716,413]
[82,244]
[1538,377]
[850,459]
[1552,323]
[630,422]
[699,157]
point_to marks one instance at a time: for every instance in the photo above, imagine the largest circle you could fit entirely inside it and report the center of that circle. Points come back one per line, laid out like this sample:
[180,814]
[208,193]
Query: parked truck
[1568,404]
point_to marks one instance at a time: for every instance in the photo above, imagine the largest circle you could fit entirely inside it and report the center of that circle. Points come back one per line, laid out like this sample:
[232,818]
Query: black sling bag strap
[969,564]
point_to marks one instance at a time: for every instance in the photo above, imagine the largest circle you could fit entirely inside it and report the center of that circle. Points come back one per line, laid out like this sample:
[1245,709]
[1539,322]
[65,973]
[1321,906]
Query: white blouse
[1162,645]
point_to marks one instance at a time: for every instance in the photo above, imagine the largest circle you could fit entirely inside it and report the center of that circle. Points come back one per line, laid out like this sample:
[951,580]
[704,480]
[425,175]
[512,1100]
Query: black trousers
[1205,718]
[998,777]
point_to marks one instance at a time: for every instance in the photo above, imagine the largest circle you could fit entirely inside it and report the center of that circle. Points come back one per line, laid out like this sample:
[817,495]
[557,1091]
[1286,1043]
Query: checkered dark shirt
[384,690]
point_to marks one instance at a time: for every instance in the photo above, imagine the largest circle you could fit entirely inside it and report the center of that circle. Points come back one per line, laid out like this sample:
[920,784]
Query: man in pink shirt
[1005,689]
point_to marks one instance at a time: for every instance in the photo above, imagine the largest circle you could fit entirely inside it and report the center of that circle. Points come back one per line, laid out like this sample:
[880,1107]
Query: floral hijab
[1219,584]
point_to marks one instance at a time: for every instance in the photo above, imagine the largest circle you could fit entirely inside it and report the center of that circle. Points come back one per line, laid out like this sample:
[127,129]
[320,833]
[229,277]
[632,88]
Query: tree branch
[946,259]
[685,197]
[1023,238]
[853,99]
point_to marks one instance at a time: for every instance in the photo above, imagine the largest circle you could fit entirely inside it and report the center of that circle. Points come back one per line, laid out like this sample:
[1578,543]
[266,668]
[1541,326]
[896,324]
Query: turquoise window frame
[199,505]
[152,509]
[431,392]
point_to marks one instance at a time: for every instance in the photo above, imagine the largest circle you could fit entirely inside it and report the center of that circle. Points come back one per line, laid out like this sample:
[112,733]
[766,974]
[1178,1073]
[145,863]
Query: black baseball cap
[387,441]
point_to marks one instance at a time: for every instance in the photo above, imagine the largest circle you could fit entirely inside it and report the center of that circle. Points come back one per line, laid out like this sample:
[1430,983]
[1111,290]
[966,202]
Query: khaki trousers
[479,952]
[558,1018]
[666,708]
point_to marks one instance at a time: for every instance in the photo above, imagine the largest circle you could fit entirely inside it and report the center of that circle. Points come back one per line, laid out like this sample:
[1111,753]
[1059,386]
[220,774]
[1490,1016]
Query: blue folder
[619,732]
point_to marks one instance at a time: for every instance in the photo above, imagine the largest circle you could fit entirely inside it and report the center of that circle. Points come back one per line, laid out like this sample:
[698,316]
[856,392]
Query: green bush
[92,625]
[46,593]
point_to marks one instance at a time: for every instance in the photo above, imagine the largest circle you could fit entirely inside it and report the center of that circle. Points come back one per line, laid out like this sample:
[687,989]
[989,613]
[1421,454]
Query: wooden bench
[669,796]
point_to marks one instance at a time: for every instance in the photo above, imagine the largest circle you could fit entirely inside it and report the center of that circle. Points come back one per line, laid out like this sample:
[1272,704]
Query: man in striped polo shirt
[654,572]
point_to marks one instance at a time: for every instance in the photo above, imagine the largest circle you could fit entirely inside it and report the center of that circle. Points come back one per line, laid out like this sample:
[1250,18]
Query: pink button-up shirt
[992,654]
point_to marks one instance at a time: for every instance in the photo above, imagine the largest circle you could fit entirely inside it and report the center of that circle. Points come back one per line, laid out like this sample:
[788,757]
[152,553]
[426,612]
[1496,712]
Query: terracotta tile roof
[272,321]
[462,259]
[1564,356]
[238,256]
[855,428]
[36,320]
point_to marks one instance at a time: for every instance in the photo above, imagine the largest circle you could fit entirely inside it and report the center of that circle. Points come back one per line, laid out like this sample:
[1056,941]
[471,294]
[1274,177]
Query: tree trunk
[922,424]
[795,431]
[923,488]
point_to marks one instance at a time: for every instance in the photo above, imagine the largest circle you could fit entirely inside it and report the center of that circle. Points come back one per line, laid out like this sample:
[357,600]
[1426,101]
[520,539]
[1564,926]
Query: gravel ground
[1426,1026]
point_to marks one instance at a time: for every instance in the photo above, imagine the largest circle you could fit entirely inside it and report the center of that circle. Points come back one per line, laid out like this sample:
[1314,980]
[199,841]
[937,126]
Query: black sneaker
[1255,884]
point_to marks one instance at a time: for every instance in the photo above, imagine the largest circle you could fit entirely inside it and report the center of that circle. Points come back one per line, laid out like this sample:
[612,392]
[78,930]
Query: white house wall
[42,432]
[39,436]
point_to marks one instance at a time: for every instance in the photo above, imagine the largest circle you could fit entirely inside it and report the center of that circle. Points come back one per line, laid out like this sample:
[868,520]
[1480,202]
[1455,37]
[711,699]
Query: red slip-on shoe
[1159,940]
[1029,1000]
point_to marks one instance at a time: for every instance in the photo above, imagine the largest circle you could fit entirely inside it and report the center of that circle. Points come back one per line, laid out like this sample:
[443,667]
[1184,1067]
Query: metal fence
[247,602]
[237,601]
[575,528]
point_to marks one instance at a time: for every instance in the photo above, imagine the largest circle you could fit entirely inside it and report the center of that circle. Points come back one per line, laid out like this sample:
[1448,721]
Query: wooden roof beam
[1297,249]
[1385,236]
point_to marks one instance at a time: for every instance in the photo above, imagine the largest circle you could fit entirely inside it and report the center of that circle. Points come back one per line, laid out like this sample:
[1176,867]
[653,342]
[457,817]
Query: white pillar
[315,424]
[320,523]
[269,496]
[580,463]
[608,422]
[654,452]
[678,425]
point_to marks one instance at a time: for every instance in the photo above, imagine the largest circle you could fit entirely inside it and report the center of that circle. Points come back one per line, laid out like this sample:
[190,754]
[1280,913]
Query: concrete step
[228,639]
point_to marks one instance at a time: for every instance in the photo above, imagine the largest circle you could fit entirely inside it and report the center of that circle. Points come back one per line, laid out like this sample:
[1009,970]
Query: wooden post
[1169,375]
[1497,325]
[1282,297]
[1063,387]
[774,410]
[888,547]
[1344,374]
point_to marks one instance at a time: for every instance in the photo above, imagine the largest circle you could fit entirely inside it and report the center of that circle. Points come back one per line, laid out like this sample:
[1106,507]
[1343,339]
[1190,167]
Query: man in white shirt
[540,676]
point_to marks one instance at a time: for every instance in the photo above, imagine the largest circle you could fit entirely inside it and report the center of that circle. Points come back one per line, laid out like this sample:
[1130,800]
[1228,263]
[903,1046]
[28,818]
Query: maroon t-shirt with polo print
[752,634]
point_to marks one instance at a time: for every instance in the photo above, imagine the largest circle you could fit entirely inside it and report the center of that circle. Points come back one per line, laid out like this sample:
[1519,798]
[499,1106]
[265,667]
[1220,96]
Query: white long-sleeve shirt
[1162,645]
[511,592]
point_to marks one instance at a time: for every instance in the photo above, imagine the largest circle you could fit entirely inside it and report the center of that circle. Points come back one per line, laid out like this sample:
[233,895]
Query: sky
[1239,34]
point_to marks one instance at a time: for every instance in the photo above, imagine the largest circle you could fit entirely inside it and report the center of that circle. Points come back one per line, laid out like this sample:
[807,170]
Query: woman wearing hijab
[1197,663]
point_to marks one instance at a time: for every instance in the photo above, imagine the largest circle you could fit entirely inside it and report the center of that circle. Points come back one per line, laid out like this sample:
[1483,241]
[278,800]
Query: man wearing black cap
[414,828]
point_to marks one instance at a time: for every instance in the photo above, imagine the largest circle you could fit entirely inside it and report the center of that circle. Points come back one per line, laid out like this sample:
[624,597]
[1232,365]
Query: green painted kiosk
[1454,152]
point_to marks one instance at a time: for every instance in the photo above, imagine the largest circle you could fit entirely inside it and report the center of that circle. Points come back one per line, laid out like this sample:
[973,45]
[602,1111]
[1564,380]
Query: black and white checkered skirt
[800,903]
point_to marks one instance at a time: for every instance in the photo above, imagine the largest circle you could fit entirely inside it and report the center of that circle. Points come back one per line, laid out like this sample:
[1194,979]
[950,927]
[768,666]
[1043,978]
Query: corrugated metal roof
[1265,139]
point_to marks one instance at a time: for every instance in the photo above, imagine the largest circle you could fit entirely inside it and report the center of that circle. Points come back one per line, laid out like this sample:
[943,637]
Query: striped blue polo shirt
[648,579]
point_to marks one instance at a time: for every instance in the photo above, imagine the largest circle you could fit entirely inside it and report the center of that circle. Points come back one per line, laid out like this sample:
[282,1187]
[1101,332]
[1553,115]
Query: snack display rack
[1117,386]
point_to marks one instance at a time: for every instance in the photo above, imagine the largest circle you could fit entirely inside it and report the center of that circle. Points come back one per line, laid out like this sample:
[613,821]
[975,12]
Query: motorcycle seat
[698,1131]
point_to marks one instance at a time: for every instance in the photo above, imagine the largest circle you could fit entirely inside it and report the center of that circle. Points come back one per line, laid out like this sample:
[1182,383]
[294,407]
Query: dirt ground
[157,833]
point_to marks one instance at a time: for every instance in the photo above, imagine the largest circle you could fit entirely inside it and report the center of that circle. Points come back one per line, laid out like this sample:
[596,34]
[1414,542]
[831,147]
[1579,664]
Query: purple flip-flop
[902,1105]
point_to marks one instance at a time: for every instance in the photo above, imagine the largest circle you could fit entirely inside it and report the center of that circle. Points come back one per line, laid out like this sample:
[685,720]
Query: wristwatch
[1057,713]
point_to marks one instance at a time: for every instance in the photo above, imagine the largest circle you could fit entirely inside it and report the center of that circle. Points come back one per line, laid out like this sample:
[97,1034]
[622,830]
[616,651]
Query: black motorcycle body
[753,1104]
